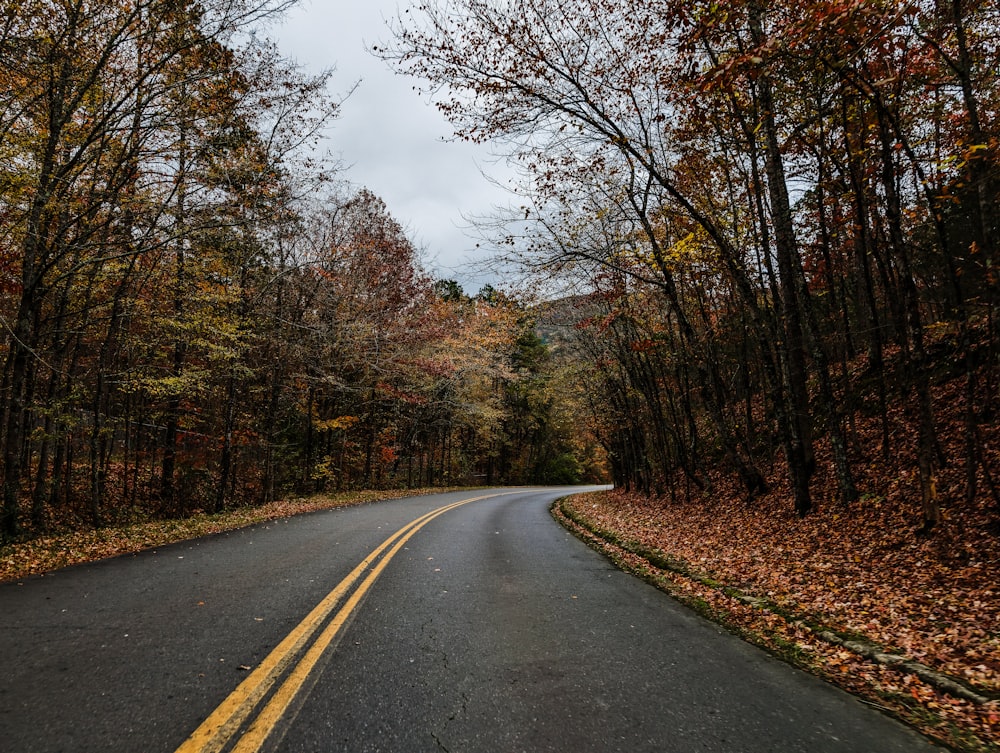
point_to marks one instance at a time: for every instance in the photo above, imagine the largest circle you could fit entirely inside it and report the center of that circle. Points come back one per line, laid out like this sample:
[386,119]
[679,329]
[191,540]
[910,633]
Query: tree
[100,139]
[676,147]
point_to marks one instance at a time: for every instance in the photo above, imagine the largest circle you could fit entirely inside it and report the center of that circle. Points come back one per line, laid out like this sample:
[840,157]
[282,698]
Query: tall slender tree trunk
[927,437]
[226,455]
[801,462]
[979,160]
[169,466]
[18,365]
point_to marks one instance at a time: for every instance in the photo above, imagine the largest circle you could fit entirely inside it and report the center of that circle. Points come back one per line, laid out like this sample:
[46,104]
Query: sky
[393,141]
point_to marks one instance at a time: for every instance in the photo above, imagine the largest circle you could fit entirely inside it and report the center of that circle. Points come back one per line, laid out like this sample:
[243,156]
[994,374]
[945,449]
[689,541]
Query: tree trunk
[801,461]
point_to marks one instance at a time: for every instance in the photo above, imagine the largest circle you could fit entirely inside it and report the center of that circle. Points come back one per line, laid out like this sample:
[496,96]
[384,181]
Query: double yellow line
[216,732]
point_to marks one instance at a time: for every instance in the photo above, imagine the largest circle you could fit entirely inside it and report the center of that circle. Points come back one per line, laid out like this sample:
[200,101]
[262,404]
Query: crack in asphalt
[460,712]
[433,643]
[440,744]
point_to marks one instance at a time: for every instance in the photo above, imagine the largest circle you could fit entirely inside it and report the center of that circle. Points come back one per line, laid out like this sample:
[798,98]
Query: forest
[765,234]
[199,314]
[777,223]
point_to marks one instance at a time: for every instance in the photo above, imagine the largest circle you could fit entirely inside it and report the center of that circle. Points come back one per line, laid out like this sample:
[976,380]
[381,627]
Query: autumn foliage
[771,225]
[198,313]
[781,218]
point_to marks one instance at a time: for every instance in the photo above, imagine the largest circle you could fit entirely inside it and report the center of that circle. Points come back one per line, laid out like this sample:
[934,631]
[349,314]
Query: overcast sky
[392,140]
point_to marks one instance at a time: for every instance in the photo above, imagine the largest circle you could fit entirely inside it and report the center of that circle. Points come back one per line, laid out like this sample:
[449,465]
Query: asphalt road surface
[405,626]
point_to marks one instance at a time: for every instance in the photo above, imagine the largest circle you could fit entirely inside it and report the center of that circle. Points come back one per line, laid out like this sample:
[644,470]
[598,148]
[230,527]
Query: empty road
[426,624]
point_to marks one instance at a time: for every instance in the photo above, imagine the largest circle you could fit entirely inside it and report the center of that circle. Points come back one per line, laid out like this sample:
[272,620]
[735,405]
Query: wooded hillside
[785,219]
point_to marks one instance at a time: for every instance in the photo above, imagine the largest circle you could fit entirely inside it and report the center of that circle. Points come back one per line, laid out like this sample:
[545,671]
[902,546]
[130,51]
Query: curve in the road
[232,714]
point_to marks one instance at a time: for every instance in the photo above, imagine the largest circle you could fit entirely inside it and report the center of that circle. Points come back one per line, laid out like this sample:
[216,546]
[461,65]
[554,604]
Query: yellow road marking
[215,732]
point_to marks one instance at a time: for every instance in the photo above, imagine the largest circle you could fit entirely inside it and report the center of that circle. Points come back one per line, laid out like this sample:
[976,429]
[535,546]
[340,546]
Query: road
[485,628]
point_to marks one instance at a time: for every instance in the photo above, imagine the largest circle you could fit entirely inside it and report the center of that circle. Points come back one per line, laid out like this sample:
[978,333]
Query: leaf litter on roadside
[864,575]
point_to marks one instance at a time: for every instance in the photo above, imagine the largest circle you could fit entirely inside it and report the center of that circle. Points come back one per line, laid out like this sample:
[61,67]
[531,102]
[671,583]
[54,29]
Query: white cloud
[393,141]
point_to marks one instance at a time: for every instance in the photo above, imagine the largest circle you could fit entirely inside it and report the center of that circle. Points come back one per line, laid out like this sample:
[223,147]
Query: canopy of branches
[784,215]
